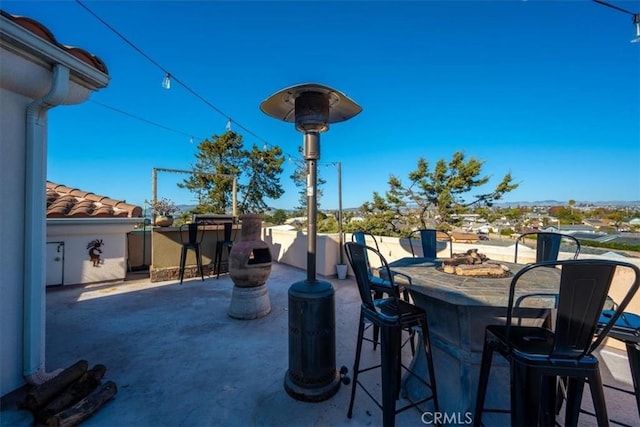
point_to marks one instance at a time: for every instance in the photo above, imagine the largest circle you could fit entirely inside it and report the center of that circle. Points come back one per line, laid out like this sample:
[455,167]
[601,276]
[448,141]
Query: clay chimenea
[249,268]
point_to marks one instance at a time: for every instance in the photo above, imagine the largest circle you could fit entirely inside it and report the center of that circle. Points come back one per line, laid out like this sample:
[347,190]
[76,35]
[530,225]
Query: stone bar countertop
[538,285]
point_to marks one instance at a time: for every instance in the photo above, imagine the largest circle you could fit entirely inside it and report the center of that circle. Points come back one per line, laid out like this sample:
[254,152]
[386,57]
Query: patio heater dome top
[311,106]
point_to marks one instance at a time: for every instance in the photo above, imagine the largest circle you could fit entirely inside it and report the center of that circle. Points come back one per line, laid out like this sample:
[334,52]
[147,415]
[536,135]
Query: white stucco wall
[12,125]
[290,247]
[28,66]
[77,233]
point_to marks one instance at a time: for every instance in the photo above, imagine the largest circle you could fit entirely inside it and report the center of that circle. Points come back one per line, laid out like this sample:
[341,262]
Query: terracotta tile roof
[67,202]
[41,31]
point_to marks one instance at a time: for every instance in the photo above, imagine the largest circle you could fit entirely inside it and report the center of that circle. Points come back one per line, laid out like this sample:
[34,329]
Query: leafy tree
[513,214]
[616,217]
[565,215]
[279,217]
[487,213]
[438,193]
[599,212]
[382,216]
[327,224]
[220,159]
[299,177]
[263,167]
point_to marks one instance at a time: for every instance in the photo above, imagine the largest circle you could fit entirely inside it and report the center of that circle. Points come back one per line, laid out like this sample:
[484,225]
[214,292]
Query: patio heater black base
[312,375]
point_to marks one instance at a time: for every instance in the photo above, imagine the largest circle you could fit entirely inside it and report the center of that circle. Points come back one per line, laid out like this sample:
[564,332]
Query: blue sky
[546,90]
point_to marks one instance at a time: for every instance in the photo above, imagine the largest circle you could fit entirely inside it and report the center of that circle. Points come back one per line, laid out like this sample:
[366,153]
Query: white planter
[341,269]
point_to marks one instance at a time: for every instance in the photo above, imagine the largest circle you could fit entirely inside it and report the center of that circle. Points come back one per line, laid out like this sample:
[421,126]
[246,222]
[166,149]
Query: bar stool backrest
[548,245]
[361,238]
[429,239]
[357,256]
[228,228]
[194,234]
[584,285]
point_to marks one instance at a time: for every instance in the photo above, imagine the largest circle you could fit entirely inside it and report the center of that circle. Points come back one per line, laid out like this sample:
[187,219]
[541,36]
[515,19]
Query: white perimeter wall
[290,247]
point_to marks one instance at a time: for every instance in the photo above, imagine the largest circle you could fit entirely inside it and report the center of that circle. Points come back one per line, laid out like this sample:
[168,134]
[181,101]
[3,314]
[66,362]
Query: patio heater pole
[312,375]
[312,155]
[340,236]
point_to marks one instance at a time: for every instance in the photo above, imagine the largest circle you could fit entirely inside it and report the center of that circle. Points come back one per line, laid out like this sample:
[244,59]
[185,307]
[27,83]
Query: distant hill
[185,208]
[564,202]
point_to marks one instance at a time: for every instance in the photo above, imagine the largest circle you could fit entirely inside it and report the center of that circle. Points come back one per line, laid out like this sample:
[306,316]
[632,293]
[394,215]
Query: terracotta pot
[250,257]
[164,221]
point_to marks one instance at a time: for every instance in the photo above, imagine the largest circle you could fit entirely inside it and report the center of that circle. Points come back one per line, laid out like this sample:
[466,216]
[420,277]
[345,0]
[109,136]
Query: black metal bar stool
[380,285]
[225,243]
[548,244]
[194,239]
[538,356]
[627,330]
[392,315]
[430,240]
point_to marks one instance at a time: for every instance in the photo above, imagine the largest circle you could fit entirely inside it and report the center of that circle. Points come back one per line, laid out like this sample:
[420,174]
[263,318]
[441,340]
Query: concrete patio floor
[178,359]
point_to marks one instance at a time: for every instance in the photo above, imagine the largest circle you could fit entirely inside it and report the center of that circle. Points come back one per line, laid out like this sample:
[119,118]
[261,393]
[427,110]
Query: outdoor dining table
[458,310]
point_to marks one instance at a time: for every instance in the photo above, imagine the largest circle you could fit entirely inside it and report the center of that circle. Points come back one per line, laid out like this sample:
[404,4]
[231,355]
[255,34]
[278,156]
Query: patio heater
[312,375]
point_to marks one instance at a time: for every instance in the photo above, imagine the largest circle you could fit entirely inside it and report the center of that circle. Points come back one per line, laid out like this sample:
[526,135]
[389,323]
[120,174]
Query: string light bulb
[636,28]
[228,127]
[636,18]
[166,82]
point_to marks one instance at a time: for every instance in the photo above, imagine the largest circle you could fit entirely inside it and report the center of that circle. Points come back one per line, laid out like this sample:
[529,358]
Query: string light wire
[142,119]
[172,77]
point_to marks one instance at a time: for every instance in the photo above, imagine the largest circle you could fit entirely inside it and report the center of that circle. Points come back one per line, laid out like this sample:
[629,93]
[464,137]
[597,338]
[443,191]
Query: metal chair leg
[523,412]
[219,249]
[548,389]
[376,328]
[432,368]
[485,368]
[575,389]
[183,257]
[633,354]
[199,261]
[597,394]
[356,364]
[389,354]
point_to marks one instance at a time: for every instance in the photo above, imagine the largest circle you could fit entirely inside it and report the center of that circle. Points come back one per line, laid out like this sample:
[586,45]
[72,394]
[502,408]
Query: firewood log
[85,408]
[42,394]
[479,270]
[88,382]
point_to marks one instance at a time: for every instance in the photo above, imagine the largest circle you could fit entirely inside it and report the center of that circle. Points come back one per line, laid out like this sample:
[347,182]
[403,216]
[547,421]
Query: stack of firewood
[71,396]
[473,263]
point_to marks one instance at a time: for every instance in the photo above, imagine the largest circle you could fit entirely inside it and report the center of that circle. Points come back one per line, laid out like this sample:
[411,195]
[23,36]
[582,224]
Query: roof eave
[23,40]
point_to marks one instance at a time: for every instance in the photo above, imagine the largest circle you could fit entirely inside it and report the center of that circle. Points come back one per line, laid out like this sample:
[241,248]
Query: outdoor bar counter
[458,310]
[167,245]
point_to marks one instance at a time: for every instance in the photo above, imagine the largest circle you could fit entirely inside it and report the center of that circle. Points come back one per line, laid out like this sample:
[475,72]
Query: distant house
[571,228]
[86,236]
[458,237]
[37,73]
[597,223]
